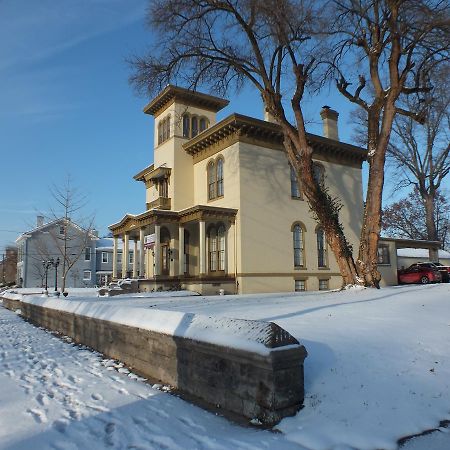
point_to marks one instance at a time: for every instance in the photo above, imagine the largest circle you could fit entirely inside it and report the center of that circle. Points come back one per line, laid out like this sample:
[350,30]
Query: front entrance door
[165,260]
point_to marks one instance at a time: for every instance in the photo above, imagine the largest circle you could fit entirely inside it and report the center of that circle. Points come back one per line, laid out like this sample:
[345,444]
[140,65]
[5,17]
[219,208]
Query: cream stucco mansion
[224,210]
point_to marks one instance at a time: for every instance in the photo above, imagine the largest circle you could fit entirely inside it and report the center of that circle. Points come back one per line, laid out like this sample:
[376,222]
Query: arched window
[203,124]
[299,245]
[212,249]
[194,124]
[211,180]
[221,247]
[295,187]
[164,130]
[219,167]
[321,248]
[319,173]
[160,133]
[186,126]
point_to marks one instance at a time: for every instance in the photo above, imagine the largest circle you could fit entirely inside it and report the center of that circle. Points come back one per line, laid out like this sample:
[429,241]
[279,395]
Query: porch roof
[132,222]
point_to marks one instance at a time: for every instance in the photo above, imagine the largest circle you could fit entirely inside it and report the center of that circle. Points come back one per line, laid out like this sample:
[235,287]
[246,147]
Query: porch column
[135,258]
[202,237]
[181,250]
[157,258]
[141,253]
[114,261]
[230,252]
[125,254]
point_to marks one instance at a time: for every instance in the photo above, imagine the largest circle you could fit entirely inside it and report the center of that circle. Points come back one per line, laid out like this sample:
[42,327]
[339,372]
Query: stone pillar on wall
[181,250]
[157,252]
[135,258]
[114,261]
[231,250]
[141,253]
[202,247]
[125,254]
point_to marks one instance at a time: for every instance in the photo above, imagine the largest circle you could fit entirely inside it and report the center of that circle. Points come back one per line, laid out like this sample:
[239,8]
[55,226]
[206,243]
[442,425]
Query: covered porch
[191,249]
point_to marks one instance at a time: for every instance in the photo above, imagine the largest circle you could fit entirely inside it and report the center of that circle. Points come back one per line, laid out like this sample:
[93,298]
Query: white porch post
[202,237]
[141,253]
[114,261]
[125,254]
[157,259]
[135,258]
[230,250]
[181,250]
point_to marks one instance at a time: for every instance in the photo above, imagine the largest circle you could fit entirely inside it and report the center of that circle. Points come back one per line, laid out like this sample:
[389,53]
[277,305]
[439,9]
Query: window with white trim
[86,275]
[383,254]
[87,254]
[105,257]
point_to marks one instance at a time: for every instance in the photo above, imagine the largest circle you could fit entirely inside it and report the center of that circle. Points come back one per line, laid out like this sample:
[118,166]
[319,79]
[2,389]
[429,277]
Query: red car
[423,273]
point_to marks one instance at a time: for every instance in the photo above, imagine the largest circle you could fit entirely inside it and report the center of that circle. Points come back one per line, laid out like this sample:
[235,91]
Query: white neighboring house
[408,256]
[45,242]
[104,260]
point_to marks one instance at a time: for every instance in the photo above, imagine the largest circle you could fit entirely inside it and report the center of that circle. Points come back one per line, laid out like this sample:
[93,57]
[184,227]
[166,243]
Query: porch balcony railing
[160,203]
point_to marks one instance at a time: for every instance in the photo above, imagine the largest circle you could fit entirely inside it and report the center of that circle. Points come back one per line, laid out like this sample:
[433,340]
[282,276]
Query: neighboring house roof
[29,233]
[108,244]
[420,253]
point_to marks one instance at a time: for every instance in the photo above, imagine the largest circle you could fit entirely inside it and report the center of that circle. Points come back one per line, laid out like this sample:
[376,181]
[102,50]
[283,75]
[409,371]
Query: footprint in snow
[61,425]
[38,415]
[42,399]
[96,396]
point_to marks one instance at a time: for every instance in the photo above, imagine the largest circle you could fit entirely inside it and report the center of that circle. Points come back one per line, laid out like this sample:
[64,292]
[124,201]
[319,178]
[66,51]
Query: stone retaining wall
[263,386]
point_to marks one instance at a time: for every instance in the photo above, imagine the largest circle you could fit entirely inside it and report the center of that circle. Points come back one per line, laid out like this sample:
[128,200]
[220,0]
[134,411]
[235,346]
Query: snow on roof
[105,243]
[420,253]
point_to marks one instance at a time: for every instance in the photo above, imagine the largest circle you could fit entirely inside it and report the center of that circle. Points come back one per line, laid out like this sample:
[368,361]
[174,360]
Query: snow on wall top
[420,253]
[249,335]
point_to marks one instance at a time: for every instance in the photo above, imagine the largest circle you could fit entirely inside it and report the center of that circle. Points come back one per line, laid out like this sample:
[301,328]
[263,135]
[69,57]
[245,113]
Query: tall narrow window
[211,180]
[160,133]
[203,124]
[299,245]
[212,250]
[321,248]
[219,165]
[194,124]
[319,173]
[295,189]
[186,126]
[87,254]
[221,247]
[163,188]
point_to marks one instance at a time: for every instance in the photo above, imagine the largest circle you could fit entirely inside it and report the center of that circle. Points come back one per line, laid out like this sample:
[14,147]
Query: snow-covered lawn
[378,369]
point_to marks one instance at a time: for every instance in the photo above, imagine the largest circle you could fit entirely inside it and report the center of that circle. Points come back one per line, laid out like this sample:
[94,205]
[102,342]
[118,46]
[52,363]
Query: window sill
[323,268]
[296,198]
[300,268]
[215,198]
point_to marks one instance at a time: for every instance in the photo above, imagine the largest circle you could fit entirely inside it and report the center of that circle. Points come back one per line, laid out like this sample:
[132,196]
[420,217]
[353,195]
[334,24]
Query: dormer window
[193,125]
[164,130]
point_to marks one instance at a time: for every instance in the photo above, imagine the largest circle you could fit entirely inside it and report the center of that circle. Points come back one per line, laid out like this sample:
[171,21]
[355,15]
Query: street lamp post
[47,263]
[56,264]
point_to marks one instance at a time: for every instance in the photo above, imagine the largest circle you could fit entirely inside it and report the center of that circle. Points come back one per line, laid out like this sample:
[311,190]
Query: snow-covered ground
[378,369]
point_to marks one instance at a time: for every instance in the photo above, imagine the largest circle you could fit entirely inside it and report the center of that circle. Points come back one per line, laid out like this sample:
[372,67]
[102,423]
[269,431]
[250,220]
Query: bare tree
[421,153]
[406,218]
[382,52]
[74,233]
[224,44]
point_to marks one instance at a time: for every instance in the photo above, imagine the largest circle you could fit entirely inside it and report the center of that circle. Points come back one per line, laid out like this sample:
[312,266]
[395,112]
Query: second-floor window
[295,188]
[104,257]
[215,177]
[163,188]
[87,254]
[299,245]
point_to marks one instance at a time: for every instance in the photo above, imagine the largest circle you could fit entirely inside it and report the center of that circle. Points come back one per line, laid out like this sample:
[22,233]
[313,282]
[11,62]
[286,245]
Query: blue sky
[67,108]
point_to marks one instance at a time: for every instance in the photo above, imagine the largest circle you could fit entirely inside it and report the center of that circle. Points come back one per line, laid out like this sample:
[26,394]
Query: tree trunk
[428,200]
[377,147]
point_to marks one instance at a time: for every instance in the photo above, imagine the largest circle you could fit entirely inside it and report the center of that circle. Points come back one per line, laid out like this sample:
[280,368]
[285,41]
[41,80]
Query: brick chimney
[330,125]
